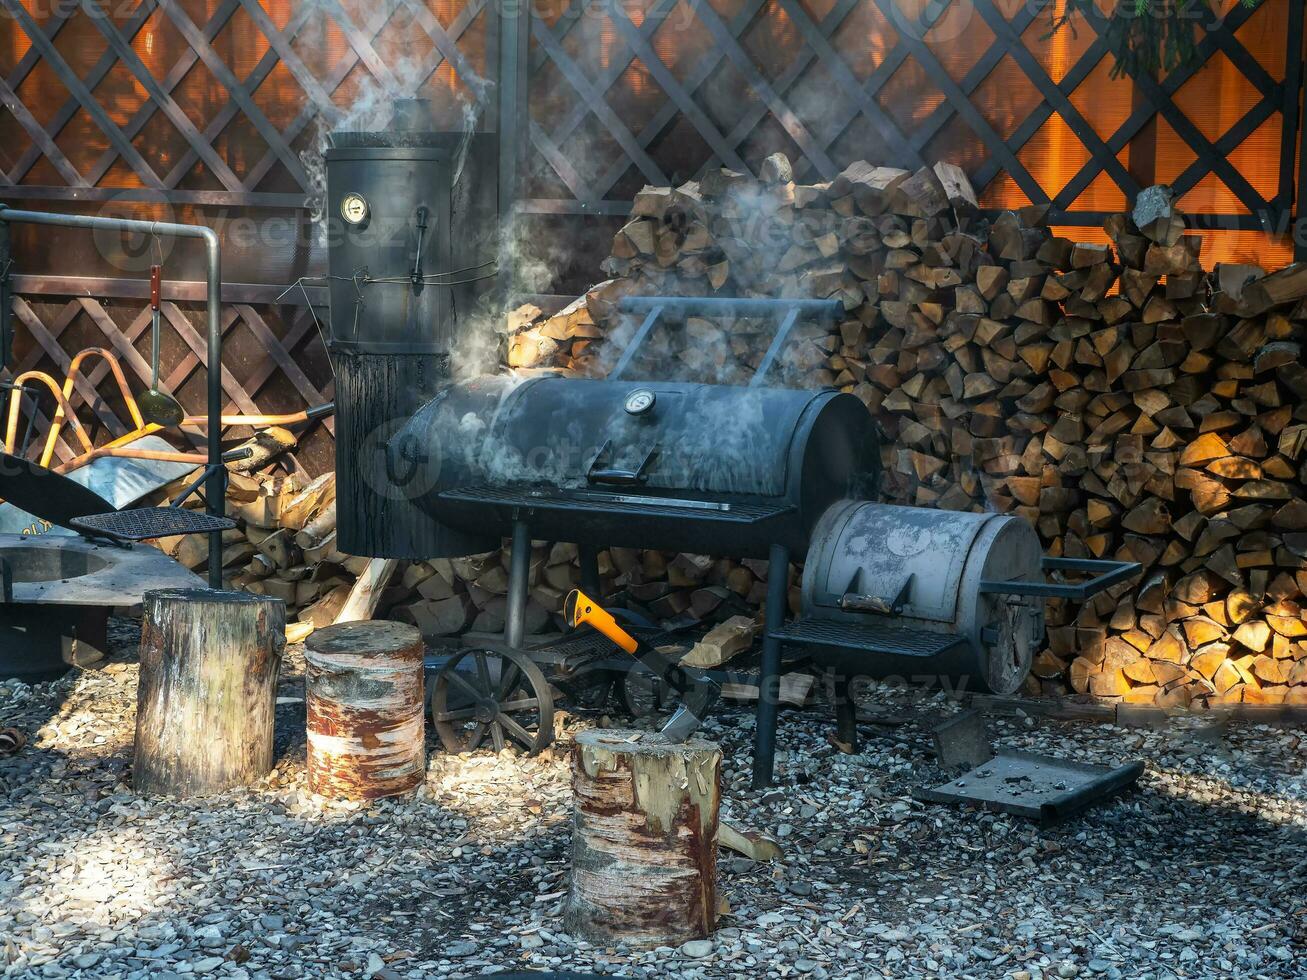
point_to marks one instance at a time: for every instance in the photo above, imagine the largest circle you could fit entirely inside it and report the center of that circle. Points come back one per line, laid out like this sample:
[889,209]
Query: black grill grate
[590,642]
[596,501]
[870,638]
[150,522]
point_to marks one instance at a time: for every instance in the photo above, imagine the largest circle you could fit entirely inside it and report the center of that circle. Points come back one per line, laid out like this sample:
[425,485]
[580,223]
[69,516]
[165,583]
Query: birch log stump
[644,839]
[363,690]
[207,691]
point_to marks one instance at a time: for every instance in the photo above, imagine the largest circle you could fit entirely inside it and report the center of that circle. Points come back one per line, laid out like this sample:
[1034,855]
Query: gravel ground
[1201,872]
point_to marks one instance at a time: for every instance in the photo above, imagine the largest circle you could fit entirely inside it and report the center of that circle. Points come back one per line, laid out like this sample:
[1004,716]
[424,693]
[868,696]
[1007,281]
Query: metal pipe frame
[641,335]
[774,349]
[769,686]
[216,489]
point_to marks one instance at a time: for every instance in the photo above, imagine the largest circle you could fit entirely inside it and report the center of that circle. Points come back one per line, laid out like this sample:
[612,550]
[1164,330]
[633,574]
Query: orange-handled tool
[698,691]
[579,608]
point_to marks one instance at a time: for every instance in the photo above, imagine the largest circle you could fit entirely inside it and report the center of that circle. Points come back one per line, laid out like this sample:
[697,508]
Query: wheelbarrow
[127,468]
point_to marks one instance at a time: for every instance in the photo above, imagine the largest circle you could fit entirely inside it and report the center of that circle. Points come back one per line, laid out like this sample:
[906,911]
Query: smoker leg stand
[589,559]
[846,716]
[764,737]
[519,571]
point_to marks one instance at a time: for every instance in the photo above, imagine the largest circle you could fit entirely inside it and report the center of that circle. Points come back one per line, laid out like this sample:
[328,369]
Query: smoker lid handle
[619,477]
[615,475]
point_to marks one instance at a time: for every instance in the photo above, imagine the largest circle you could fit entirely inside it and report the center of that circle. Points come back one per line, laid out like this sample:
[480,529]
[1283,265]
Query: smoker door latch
[598,473]
[416,275]
[856,601]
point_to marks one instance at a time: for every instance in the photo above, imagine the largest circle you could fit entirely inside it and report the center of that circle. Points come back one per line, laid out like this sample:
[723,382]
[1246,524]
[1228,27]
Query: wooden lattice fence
[213,111]
[626,95]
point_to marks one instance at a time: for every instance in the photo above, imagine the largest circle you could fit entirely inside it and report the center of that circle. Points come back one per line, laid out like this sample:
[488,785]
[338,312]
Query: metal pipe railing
[653,307]
[216,478]
[731,305]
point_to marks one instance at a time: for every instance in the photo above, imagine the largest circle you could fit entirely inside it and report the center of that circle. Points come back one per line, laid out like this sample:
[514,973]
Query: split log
[207,690]
[363,692]
[723,642]
[752,844]
[644,839]
[795,690]
[363,598]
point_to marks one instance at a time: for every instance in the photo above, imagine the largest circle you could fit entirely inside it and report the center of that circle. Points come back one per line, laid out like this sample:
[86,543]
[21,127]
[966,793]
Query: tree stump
[363,689]
[207,691]
[644,839]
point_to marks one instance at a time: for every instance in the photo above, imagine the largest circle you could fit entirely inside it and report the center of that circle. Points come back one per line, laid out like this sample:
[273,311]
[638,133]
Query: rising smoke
[729,432]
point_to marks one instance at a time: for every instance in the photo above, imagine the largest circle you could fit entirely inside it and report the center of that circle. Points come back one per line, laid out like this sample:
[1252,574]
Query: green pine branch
[1145,37]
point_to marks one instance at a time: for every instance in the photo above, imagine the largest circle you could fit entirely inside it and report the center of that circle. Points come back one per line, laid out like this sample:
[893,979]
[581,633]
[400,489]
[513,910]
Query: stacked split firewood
[1124,401]
[565,340]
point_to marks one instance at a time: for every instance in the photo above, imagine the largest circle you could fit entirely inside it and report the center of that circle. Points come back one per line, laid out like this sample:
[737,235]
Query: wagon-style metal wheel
[499,696]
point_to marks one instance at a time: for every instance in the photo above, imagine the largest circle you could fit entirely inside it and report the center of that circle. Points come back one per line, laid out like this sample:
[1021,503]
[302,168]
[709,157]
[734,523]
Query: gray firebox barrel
[867,559]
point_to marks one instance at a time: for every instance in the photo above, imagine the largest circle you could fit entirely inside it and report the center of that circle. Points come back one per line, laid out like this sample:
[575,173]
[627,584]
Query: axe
[698,691]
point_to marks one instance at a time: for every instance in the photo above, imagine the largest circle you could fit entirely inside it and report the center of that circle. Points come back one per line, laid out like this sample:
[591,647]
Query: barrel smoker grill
[430,468]
[712,469]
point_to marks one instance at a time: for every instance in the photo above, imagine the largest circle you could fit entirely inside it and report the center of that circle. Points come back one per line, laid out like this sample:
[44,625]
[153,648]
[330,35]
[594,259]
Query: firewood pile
[1123,400]
[1126,402]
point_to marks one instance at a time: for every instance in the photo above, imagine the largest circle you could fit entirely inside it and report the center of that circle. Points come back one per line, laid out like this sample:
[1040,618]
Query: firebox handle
[854,601]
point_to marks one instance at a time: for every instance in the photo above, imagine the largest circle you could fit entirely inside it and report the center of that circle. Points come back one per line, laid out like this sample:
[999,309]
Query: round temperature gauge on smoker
[639,401]
[354,208]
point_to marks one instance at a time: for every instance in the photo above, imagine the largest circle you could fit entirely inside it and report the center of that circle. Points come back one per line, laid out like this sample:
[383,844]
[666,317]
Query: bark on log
[363,691]
[644,839]
[207,691]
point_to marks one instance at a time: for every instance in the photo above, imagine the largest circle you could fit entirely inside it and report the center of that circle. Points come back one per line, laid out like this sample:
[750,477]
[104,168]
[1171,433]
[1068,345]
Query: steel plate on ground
[1030,785]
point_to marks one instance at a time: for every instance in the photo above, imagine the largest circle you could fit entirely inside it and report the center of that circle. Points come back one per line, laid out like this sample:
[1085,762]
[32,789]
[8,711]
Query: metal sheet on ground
[1030,785]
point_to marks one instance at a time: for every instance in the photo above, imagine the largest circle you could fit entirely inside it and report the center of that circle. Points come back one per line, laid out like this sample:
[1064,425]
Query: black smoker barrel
[412,220]
[710,469]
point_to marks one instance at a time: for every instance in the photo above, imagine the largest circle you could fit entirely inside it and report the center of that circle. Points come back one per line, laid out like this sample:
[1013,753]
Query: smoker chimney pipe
[216,474]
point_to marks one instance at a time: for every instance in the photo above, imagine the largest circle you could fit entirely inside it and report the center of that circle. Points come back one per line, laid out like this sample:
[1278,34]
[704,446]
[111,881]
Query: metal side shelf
[634,505]
[872,639]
